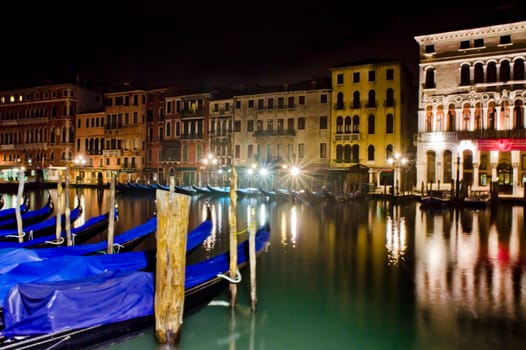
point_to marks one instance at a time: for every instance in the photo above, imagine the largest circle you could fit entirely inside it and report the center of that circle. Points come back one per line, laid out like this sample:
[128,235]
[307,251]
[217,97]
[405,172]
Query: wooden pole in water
[18,215]
[111,222]
[58,214]
[252,255]
[233,235]
[67,210]
[172,225]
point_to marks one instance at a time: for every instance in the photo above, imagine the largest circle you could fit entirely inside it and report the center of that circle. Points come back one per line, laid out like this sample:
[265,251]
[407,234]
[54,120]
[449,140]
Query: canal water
[356,275]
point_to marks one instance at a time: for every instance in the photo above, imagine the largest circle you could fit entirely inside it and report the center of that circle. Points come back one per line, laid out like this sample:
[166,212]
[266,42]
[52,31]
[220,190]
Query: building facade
[281,128]
[38,127]
[372,124]
[471,114]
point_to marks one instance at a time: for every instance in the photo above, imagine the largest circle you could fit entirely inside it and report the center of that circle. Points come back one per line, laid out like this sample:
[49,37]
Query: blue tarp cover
[108,297]
[48,307]
[64,268]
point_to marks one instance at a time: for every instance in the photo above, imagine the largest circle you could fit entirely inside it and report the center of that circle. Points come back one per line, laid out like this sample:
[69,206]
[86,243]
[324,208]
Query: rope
[241,232]
[17,236]
[118,246]
[31,235]
[59,242]
[229,279]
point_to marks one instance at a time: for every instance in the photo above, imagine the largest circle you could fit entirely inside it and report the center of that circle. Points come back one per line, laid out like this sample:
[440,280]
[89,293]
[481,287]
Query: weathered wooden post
[233,235]
[67,210]
[18,215]
[172,225]
[111,222]
[252,253]
[58,214]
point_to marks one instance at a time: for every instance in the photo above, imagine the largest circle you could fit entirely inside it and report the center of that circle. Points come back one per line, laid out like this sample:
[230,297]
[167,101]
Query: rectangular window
[389,74]
[250,126]
[250,103]
[280,124]
[301,100]
[261,103]
[323,150]
[237,126]
[291,102]
[505,40]
[478,43]
[372,75]
[301,150]
[464,44]
[250,151]
[339,78]
[237,152]
[301,123]
[238,104]
[323,122]
[323,98]
[290,123]
[270,103]
[429,49]
[356,77]
[281,102]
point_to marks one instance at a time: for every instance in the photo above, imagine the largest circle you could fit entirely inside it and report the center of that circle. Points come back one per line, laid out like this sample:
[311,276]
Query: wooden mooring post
[58,213]
[111,222]
[252,257]
[18,215]
[67,210]
[233,236]
[172,226]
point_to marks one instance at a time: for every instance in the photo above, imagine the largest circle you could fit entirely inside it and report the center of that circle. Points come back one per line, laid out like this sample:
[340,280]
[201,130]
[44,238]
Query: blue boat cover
[74,230]
[28,215]
[113,296]
[4,213]
[108,297]
[46,224]
[66,267]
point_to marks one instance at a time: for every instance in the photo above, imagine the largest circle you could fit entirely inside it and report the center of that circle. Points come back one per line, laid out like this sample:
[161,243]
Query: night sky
[222,43]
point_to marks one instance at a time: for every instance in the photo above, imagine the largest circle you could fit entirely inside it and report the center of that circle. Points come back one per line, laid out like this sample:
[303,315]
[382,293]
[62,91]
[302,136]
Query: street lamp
[294,172]
[79,161]
[210,162]
[396,162]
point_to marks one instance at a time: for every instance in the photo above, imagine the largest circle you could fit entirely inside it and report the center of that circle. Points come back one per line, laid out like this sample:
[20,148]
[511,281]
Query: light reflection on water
[361,275]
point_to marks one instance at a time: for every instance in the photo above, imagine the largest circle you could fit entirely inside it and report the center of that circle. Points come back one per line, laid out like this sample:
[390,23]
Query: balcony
[347,137]
[455,136]
[112,153]
[264,133]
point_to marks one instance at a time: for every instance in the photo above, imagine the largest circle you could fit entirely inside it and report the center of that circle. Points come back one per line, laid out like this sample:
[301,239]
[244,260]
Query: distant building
[471,114]
[37,127]
[373,119]
[279,128]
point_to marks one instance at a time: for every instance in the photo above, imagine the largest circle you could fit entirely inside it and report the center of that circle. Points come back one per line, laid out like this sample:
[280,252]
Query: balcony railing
[347,137]
[112,153]
[287,132]
[455,136]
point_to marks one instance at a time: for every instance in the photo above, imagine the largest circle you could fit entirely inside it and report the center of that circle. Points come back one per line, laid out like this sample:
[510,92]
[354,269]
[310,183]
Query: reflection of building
[371,119]
[469,276]
[471,115]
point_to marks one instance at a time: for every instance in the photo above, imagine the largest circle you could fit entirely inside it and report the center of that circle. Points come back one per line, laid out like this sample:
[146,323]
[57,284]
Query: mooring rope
[59,242]
[230,279]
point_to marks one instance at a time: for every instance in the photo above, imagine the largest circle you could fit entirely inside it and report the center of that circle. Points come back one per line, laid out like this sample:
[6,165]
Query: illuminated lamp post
[396,163]
[294,172]
[210,162]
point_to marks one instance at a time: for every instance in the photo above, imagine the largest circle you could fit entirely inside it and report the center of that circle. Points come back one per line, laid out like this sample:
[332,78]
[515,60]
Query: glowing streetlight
[396,162]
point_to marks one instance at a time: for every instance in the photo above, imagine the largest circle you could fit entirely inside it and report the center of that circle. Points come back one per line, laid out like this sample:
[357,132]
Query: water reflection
[470,276]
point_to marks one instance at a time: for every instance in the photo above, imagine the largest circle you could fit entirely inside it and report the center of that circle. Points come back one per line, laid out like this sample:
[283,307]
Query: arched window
[518,69]
[355,124]
[347,153]
[491,73]
[348,125]
[355,154]
[491,116]
[430,79]
[479,73]
[339,100]
[518,115]
[389,98]
[430,167]
[389,152]
[448,166]
[372,99]
[356,99]
[505,71]
[370,153]
[451,118]
[389,124]
[339,125]
[370,124]
[464,75]
[339,153]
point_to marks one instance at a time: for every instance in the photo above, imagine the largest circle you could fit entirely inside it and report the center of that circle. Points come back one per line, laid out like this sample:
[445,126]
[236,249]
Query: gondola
[11,212]
[202,190]
[79,234]
[436,199]
[219,191]
[77,313]
[29,216]
[38,229]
